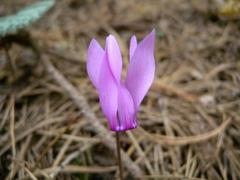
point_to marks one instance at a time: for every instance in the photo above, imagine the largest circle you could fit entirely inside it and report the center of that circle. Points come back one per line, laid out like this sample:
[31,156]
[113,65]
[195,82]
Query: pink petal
[94,61]
[114,57]
[132,47]
[126,112]
[141,69]
[108,93]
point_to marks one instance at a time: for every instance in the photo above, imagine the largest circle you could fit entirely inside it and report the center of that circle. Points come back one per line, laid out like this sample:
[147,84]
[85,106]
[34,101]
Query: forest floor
[189,123]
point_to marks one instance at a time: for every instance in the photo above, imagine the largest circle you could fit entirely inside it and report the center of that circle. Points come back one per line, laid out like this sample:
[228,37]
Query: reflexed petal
[108,93]
[141,69]
[132,47]
[94,61]
[126,112]
[114,57]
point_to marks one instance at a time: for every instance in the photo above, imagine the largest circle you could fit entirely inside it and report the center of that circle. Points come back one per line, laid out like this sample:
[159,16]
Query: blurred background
[51,124]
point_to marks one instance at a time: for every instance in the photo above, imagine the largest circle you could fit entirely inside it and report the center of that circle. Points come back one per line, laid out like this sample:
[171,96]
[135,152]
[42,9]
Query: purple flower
[120,100]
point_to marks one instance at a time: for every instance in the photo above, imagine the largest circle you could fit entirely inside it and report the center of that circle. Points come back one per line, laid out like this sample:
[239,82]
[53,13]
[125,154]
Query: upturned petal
[132,46]
[94,61]
[108,93]
[114,57]
[141,69]
[126,114]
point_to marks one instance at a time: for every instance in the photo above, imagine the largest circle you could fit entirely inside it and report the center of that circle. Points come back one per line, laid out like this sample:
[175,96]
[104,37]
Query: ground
[51,122]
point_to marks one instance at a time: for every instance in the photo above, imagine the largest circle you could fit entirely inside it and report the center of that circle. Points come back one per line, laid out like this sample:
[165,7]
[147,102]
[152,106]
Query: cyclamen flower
[120,100]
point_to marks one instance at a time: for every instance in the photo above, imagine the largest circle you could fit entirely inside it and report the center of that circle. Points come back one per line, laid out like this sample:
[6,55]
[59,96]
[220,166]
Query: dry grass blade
[167,140]
[169,177]
[140,152]
[76,169]
[12,133]
[72,137]
[159,86]
[29,131]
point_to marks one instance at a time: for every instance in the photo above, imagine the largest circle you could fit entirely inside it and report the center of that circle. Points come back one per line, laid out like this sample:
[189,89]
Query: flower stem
[119,156]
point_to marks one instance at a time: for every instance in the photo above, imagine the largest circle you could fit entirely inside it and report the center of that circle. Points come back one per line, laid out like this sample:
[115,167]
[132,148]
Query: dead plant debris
[189,124]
